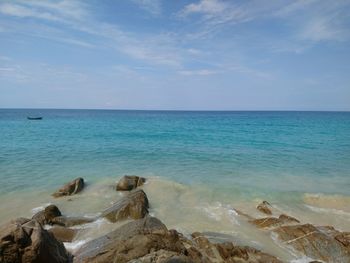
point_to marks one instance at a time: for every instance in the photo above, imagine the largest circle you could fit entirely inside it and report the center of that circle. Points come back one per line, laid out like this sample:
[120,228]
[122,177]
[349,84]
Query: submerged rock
[129,182]
[270,222]
[264,207]
[25,241]
[320,243]
[134,205]
[47,215]
[70,188]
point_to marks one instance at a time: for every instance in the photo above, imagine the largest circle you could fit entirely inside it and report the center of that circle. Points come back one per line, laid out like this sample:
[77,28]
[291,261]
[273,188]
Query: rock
[148,240]
[25,241]
[70,188]
[269,222]
[163,256]
[63,234]
[70,221]
[343,238]
[47,215]
[227,252]
[134,205]
[319,243]
[131,241]
[263,207]
[129,182]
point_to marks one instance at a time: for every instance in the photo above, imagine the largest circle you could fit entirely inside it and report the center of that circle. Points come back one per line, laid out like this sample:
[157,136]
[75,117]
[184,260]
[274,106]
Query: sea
[200,166]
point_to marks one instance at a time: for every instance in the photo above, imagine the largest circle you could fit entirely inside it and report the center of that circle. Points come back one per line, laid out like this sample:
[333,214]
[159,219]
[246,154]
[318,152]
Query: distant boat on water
[34,118]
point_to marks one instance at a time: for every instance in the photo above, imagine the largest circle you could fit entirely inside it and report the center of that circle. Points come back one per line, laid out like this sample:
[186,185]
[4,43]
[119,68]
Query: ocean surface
[200,165]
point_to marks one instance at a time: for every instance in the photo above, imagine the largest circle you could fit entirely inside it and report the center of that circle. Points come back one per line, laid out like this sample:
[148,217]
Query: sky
[175,54]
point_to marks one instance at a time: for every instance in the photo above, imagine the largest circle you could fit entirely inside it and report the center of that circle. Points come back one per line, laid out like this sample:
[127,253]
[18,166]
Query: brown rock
[317,243]
[343,238]
[25,241]
[267,222]
[131,241]
[270,222]
[68,221]
[264,207]
[228,252]
[288,219]
[70,188]
[129,182]
[162,256]
[134,205]
[47,215]
[63,234]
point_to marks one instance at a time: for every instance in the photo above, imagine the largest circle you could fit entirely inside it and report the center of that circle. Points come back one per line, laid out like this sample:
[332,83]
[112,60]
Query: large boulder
[25,241]
[131,241]
[129,182]
[70,188]
[47,215]
[134,205]
[320,243]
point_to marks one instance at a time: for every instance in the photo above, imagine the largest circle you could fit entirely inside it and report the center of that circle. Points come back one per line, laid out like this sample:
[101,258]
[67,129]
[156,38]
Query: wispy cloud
[152,6]
[307,20]
[200,72]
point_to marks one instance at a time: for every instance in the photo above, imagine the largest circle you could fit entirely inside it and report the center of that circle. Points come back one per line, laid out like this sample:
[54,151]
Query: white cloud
[152,6]
[200,72]
[205,7]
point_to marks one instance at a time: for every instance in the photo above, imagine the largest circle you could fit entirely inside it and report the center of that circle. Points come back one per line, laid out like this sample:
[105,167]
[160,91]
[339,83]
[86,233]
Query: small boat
[34,118]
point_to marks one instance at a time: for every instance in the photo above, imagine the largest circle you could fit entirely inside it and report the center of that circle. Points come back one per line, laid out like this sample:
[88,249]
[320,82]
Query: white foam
[327,210]
[233,216]
[39,208]
[74,246]
[303,259]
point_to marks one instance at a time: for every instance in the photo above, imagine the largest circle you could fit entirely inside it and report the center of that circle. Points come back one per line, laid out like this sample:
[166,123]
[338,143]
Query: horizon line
[180,110]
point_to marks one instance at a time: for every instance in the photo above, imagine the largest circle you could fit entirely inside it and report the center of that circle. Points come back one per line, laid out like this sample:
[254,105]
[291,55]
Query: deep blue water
[246,153]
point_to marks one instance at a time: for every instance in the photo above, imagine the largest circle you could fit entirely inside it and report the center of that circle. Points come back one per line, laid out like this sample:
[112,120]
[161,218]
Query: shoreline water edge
[131,229]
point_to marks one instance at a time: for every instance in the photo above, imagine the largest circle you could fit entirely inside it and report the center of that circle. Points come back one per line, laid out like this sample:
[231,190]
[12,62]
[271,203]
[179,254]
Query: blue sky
[175,54]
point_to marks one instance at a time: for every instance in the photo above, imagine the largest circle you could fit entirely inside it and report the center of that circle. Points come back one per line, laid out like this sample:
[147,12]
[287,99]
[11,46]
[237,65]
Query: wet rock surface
[70,188]
[134,205]
[148,240]
[270,222]
[265,208]
[69,221]
[130,182]
[322,243]
[25,241]
[63,234]
[319,243]
[47,215]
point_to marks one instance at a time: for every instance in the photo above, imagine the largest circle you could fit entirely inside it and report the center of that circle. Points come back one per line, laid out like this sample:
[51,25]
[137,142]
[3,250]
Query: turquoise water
[243,153]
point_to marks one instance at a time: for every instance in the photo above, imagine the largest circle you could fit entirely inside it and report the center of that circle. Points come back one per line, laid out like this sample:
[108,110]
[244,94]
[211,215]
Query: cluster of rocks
[146,239]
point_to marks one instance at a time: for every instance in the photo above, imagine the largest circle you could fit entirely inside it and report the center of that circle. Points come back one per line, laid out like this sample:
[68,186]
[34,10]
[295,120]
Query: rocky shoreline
[144,238]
